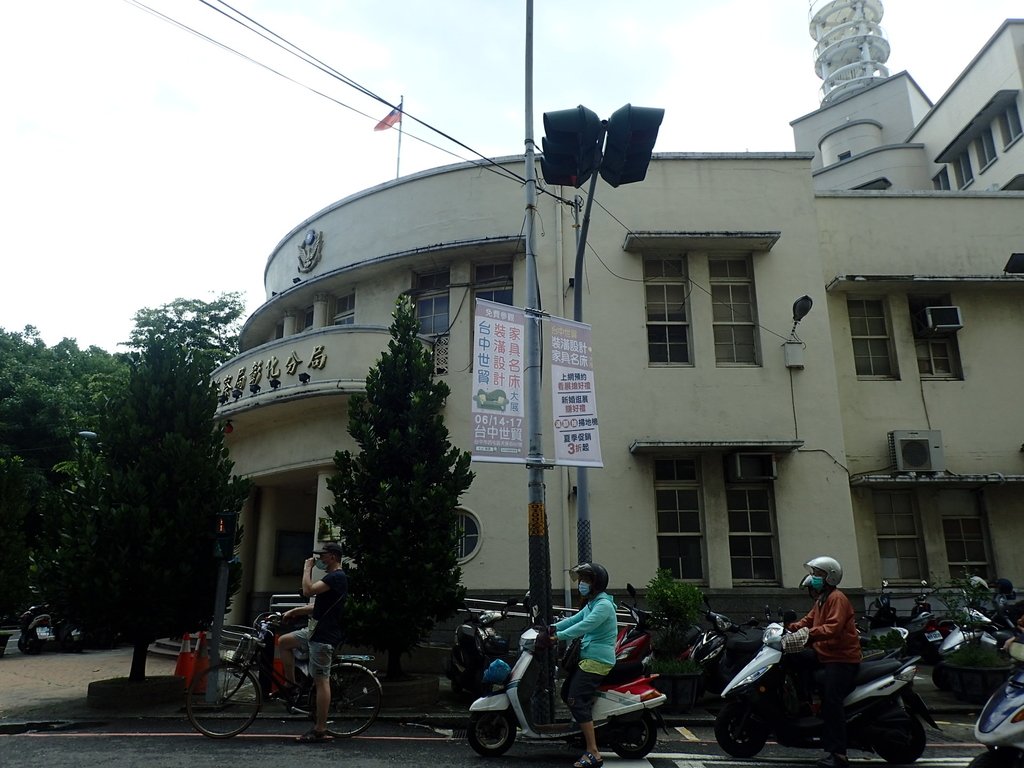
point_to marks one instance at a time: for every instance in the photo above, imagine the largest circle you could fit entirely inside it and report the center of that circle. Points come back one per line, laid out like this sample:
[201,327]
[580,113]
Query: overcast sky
[141,163]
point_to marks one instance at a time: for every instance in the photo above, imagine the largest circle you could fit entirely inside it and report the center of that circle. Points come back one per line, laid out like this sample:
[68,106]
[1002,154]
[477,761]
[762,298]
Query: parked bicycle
[225,698]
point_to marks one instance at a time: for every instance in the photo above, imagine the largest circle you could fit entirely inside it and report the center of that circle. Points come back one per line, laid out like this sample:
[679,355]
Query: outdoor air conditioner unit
[917,451]
[750,467]
[943,320]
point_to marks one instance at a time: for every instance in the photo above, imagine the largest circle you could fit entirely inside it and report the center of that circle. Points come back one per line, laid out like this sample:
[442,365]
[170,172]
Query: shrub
[676,606]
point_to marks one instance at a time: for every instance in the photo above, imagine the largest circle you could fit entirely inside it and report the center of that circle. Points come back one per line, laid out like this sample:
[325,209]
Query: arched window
[469,535]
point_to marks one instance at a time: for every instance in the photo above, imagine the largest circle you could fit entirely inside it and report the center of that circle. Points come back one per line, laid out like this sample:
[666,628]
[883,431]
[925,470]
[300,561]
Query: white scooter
[1000,726]
[625,712]
[883,712]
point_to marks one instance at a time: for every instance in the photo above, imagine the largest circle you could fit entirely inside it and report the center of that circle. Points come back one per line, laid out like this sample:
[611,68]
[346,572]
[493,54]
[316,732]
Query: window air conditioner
[750,467]
[940,320]
[917,451]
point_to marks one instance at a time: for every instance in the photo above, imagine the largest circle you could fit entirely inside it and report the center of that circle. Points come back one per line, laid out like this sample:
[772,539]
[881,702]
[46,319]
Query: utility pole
[537,521]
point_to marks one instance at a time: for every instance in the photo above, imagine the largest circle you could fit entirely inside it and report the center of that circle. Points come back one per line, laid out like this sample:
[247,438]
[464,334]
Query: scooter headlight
[721,623]
[753,677]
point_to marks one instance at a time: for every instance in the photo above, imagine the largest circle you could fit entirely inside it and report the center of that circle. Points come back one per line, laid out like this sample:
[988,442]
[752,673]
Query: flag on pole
[393,118]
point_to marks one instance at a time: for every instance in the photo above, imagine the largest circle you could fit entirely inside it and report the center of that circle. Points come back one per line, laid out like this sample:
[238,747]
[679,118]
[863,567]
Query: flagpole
[398,161]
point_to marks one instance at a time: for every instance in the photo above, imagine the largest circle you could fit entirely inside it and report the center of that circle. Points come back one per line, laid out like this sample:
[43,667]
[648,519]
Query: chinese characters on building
[498,412]
[271,368]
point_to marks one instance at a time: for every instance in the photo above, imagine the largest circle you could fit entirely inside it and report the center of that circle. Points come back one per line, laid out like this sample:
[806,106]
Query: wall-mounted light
[228,428]
[800,309]
[1015,265]
[275,383]
[793,348]
[295,280]
[304,377]
[255,388]
[236,393]
[223,398]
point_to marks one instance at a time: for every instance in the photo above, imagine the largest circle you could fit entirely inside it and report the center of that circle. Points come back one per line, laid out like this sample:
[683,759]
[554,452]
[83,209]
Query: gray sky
[141,163]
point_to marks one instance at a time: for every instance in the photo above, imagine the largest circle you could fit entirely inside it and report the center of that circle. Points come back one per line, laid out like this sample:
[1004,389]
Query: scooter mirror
[631,590]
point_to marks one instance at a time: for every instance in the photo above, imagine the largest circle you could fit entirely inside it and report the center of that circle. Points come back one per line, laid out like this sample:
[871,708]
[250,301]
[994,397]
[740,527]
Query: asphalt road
[155,743]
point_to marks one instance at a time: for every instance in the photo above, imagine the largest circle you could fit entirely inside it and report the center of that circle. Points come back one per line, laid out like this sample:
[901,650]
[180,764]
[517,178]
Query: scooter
[724,649]
[977,627]
[1000,725]
[40,629]
[475,646]
[625,710]
[883,712]
[633,642]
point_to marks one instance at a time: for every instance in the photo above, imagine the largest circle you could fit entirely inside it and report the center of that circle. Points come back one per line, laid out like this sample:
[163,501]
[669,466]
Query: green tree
[395,501]
[135,551]
[14,561]
[210,328]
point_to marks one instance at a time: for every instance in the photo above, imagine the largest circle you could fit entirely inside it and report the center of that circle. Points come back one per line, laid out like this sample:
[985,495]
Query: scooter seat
[870,670]
[623,672]
[745,641]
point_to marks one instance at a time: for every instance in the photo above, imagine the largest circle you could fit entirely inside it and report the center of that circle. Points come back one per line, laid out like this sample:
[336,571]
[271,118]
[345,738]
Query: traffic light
[632,132]
[224,526]
[571,146]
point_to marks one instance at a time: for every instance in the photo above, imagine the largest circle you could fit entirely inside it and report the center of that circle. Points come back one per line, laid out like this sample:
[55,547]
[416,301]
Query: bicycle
[225,698]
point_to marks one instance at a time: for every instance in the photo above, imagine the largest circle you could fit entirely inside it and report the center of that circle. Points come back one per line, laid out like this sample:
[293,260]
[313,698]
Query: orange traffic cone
[186,660]
[202,662]
[278,666]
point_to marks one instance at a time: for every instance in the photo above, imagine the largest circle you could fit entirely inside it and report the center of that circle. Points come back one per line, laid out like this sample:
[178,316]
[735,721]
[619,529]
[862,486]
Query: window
[493,282]
[733,310]
[345,309]
[668,330]
[1009,124]
[938,356]
[845,155]
[941,179]
[307,318]
[966,546]
[962,169]
[751,533]
[872,348]
[899,540]
[432,302]
[985,146]
[469,535]
[680,540]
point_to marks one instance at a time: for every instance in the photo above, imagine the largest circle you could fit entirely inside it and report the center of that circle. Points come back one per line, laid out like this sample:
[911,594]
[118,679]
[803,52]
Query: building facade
[736,443]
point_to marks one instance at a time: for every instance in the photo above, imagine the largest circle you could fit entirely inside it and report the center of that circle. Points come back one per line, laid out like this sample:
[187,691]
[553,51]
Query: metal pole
[584,554]
[220,601]
[537,523]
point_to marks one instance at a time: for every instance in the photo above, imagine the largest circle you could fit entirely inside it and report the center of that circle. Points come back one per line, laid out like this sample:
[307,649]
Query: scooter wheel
[30,645]
[940,677]
[738,733]
[492,733]
[634,740]
[907,748]
[995,758]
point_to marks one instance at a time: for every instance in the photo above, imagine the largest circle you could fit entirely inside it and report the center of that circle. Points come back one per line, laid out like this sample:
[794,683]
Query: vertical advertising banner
[499,413]
[574,404]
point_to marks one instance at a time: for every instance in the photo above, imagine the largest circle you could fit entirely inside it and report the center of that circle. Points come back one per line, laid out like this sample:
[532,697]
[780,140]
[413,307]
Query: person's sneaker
[833,761]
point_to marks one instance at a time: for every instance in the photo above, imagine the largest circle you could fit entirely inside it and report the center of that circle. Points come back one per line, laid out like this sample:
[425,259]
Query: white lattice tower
[851,48]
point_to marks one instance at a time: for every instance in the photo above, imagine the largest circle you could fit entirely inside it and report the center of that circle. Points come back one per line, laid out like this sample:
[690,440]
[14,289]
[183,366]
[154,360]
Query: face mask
[320,564]
[584,588]
[817,583]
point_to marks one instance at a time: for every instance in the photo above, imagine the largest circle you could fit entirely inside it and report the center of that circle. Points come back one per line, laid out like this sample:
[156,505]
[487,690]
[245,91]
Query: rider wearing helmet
[833,636]
[595,622]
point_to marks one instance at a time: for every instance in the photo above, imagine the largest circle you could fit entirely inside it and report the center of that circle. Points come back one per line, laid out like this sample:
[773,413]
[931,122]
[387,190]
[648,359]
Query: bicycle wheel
[223,700]
[355,700]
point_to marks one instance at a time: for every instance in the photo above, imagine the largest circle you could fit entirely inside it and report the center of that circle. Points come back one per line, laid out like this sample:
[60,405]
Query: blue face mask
[817,583]
[584,588]
[321,565]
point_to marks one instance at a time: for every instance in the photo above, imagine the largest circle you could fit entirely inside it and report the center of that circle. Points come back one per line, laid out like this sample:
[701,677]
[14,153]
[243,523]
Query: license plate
[43,632]
[933,637]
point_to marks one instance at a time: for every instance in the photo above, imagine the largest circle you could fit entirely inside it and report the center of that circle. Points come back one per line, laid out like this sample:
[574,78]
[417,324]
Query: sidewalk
[53,686]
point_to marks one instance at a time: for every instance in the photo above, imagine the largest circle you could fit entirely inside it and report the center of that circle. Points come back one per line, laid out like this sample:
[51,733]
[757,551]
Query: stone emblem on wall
[310,250]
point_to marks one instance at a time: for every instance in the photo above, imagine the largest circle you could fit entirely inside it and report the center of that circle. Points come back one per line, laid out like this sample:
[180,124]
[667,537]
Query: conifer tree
[395,500]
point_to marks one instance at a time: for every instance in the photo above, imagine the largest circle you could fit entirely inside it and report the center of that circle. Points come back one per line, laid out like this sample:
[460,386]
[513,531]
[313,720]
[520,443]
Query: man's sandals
[587,760]
[313,736]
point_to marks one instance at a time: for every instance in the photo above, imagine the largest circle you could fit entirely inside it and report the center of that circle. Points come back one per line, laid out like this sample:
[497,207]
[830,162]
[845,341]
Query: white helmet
[833,570]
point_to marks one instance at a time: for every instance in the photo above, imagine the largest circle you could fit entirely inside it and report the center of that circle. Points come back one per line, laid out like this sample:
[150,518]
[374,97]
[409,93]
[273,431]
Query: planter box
[975,684]
[680,688]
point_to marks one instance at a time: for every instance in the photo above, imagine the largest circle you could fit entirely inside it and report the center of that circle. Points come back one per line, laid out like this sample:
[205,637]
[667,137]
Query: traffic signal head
[571,146]
[632,132]
[224,527]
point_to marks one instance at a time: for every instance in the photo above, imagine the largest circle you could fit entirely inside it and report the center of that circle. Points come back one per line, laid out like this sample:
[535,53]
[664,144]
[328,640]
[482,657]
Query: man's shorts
[320,654]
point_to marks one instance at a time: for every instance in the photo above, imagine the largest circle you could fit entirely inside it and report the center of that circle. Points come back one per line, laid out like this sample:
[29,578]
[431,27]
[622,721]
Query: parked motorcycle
[625,708]
[974,626]
[883,712]
[40,629]
[476,644]
[633,642]
[724,649]
[1000,727]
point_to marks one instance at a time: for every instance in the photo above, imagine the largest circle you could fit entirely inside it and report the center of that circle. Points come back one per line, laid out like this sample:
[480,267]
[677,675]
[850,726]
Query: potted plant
[975,668]
[676,607]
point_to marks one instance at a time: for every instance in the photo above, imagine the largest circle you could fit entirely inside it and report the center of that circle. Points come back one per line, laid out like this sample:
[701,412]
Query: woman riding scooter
[596,624]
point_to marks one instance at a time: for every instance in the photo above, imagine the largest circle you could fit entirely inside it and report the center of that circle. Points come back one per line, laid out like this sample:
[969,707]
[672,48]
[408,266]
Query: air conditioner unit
[941,320]
[750,467]
[917,451]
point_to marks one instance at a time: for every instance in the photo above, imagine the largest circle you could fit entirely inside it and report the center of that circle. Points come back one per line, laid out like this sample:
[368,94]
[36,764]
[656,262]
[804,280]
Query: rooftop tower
[851,48]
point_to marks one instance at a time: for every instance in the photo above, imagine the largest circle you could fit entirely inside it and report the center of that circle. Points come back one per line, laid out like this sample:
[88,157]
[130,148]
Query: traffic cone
[278,666]
[202,662]
[186,660]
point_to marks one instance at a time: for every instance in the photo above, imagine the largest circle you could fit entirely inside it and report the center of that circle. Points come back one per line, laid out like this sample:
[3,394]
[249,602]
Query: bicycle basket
[244,651]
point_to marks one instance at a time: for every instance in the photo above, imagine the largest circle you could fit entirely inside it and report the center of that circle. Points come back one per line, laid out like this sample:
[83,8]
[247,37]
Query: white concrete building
[884,434]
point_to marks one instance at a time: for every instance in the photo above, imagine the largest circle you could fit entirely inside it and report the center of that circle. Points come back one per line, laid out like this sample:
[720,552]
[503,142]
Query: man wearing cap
[323,633]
